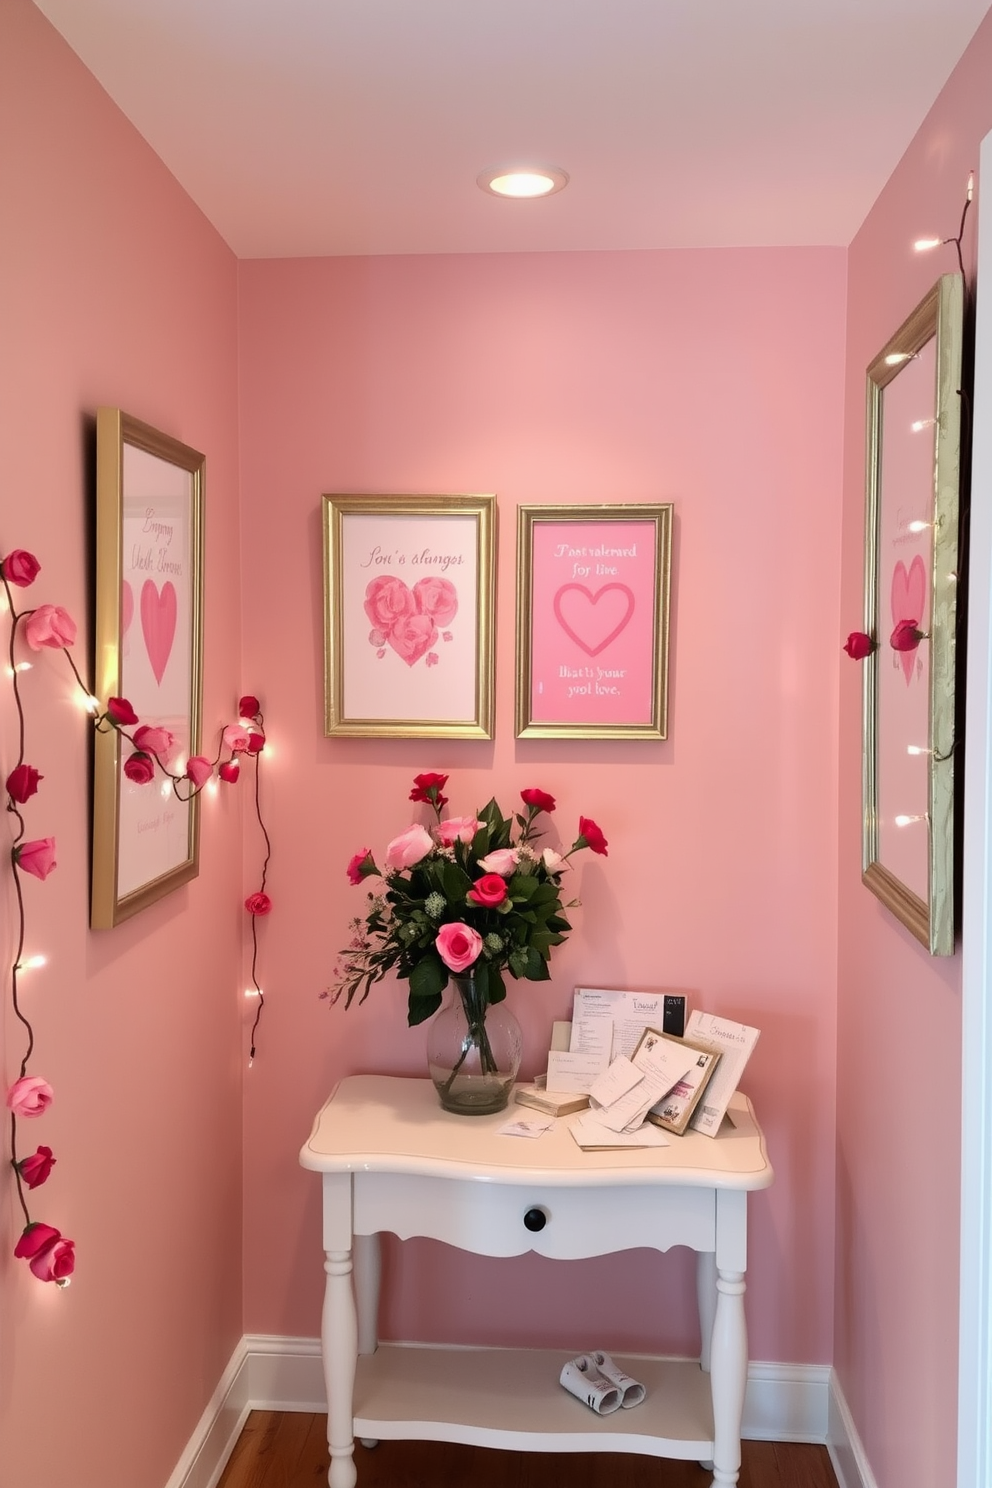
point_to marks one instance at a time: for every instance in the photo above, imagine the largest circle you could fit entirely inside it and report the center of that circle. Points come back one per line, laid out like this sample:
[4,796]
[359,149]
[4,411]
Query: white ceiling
[312,127]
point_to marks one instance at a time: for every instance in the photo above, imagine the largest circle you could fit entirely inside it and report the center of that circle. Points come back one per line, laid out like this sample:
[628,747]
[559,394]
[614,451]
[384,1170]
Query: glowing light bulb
[971,184]
[924,245]
[920,424]
[252,992]
[23,666]
[895,358]
[62,1282]
[919,526]
[905,821]
[33,962]
[90,703]
[916,749]
[211,787]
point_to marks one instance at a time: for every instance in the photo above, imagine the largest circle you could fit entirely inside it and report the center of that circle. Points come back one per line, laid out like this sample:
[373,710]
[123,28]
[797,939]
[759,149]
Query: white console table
[392,1160]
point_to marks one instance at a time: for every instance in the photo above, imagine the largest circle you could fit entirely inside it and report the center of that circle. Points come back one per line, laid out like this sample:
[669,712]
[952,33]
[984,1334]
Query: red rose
[20,568]
[428,787]
[361,866]
[537,800]
[50,1256]
[229,771]
[35,1169]
[120,712]
[906,636]
[590,836]
[258,904]
[859,645]
[256,742]
[139,767]
[36,858]
[22,782]
[248,706]
[489,890]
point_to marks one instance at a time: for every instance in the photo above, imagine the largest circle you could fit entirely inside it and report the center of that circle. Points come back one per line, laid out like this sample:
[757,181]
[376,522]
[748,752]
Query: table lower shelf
[511,1398]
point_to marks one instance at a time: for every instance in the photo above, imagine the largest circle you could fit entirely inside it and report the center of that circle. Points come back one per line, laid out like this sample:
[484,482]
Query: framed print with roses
[408,616]
[148,629]
[911,584]
[592,621]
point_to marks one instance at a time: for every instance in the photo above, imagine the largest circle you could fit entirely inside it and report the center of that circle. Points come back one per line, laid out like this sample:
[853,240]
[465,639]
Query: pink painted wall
[115,291]
[709,379]
[898,1191]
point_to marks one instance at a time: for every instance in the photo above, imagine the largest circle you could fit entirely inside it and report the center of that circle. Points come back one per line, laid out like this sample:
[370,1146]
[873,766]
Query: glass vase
[473,1051]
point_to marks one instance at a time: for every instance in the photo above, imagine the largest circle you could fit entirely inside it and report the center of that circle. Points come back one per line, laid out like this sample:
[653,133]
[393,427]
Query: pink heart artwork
[127,606]
[158,624]
[593,625]
[909,598]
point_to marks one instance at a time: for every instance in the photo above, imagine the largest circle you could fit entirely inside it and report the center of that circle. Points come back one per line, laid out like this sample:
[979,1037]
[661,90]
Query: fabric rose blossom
[139,767]
[30,1096]
[249,706]
[590,836]
[34,1170]
[50,1255]
[858,645]
[120,712]
[229,771]
[258,904]
[459,946]
[906,636]
[49,625]
[489,891]
[362,865]
[154,740]
[537,800]
[22,782]
[20,567]
[36,858]
[501,860]
[256,741]
[236,738]
[199,769]
[409,848]
[458,829]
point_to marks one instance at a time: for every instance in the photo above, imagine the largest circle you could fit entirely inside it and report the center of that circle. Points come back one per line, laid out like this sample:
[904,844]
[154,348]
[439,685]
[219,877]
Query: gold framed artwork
[149,649]
[911,557]
[408,616]
[592,621]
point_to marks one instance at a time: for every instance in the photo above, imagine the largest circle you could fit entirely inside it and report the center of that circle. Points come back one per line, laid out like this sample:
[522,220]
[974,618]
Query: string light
[917,749]
[920,424]
[896,358]
[32,963]
[924,245]
[905,821]
[919,526]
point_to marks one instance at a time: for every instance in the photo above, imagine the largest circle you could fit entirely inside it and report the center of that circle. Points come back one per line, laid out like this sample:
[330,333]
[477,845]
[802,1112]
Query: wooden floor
[279,1449]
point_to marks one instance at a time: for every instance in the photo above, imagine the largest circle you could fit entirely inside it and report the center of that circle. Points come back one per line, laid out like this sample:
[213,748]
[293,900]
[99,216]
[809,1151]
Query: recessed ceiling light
[523,180]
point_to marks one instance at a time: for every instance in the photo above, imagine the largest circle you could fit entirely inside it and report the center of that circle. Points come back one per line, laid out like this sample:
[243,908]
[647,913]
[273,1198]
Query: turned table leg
[339,1347]
[728,1376]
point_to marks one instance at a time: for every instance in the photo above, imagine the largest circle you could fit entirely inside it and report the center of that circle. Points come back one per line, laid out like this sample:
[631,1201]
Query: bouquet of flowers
[473,896]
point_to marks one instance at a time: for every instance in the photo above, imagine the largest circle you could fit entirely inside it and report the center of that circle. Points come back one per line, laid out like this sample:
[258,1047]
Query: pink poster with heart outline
[593,622]
[156,656]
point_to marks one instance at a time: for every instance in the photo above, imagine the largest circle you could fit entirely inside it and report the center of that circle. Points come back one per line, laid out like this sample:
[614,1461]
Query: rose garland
[50,1255]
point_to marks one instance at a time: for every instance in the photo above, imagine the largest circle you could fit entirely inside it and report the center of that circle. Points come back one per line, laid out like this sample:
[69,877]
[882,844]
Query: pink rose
[858,645]
[20,567]
[502,860]
[199,769]
[409,848]
[22,782]
[906,636]
[120,712]
[36,858]
[139,767]
[229,771]
[34,1170]
[387,599]
[236,738]
[249,706]
[256,741]
[154,740]
[437,598]
[411,636]
[489,891]
[458,946]
[362,865]
[458,829]
[50,1256]
[30,1096]
[49,625]
[258,904]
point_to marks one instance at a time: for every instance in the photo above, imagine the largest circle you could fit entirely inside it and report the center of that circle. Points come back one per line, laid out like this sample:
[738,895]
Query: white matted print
[408,602]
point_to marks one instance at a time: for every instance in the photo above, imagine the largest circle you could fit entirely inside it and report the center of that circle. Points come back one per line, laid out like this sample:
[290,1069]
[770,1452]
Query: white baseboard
[844,1444]
[784,1402]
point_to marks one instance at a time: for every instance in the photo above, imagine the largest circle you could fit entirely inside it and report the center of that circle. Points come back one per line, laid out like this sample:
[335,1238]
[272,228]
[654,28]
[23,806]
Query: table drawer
[508,1219]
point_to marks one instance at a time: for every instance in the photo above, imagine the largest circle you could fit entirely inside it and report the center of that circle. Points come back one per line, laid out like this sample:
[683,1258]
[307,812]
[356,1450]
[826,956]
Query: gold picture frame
[149,650]
[674,1112]
[409,588]
[593,597]
[911,554]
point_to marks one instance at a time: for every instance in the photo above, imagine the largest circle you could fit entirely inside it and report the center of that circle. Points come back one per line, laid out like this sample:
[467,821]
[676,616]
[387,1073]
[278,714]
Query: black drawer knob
[535,1219]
